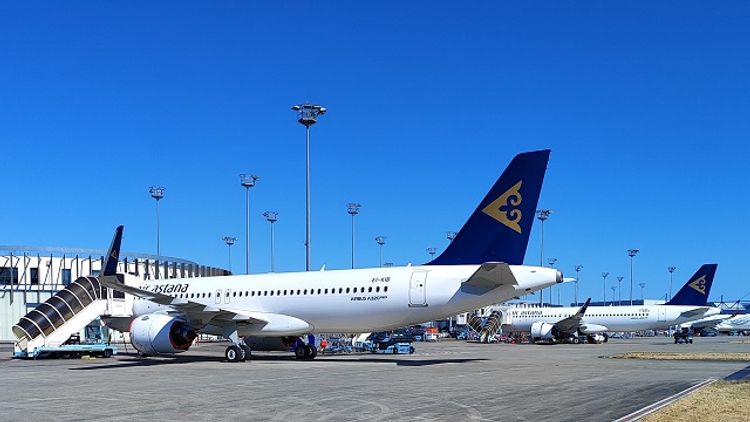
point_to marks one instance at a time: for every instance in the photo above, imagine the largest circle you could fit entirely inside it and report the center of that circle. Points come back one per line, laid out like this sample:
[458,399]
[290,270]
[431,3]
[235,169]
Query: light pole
[614,288]
[642,286]
[619,289]
[272,217]
[604,285]
[552,262]
[671,270]
[157,192]
[229,240]
[578,268]
[307,115]
[543,215]
[431,251]
[381,242]
[631,253]
[450,236]
[353,209]
[247,181]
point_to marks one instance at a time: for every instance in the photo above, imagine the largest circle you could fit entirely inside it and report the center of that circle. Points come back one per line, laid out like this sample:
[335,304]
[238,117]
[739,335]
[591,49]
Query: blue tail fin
[113,254]
[499,228]
[696,290]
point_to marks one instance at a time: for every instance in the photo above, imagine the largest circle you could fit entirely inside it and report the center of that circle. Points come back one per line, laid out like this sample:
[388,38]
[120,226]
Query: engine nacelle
[543,330]
[154,334]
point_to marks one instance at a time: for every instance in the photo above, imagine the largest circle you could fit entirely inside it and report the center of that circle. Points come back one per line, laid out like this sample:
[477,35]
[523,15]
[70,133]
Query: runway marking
[638,414]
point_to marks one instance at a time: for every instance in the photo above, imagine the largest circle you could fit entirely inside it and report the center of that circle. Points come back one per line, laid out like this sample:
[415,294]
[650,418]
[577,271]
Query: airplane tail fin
[498,230]
[696,290]
[113,254]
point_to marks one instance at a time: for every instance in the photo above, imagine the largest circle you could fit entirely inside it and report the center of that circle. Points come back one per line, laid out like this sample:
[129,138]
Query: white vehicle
[594,322]
[479,268]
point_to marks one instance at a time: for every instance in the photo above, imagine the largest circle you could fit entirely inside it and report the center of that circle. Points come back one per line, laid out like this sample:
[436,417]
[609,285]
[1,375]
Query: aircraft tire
[300,352]
[233,353]
[247,351]
[313,352]
[576,340]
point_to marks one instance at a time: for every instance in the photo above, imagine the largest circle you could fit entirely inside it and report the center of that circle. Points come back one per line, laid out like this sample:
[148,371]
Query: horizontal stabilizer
[491,275]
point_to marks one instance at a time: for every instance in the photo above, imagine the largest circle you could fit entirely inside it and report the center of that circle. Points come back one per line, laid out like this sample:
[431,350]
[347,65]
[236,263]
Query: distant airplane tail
[696,290]
[498,230]
[113,254]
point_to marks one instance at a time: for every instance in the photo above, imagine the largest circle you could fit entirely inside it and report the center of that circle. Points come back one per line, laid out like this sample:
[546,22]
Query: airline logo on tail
[699,285]
[505,208]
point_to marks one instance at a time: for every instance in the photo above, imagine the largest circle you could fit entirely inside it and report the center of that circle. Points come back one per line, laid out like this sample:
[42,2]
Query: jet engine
[154,334]
[544,331]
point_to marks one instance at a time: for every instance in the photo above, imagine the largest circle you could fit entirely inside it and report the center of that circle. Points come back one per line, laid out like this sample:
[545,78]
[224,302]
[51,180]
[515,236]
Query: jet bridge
[67,312]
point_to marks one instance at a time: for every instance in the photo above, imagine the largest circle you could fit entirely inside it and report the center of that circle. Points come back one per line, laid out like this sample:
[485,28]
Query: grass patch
[718,356]
[724,401]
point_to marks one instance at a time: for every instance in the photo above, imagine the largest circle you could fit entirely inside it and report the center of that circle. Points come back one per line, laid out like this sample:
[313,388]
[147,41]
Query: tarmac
[445,381]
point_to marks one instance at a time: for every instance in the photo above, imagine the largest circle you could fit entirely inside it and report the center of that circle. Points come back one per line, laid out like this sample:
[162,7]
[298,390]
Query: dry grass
[722,401]
[738,356]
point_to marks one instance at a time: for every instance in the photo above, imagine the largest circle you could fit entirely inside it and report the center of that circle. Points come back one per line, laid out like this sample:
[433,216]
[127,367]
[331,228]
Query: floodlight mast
[578,269]
[307,115]
[543,215]
[632,253]
[604,285]
[671,270]
[272,217]
[229,240]
[157,192]
[381,241]
[353,209]
[247,181]
[619,290]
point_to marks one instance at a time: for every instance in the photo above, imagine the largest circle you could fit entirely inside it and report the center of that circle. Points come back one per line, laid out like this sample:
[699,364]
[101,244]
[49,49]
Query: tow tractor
[73,348]
[685,335]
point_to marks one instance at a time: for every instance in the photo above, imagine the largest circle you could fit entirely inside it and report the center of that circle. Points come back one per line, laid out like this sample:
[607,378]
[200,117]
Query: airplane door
[418,289]
[218,296]
[226,295]
[662,314]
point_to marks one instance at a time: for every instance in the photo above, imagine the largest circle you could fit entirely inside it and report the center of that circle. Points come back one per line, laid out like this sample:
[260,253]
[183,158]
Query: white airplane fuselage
[356,300]
[610,318]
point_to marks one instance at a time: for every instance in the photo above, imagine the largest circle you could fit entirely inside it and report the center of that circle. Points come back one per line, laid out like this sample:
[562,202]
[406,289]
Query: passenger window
[385,288]
[284,292]
[326,291]
[271,292]
[265,292]
[369,290]
[347,290]
[319,291]
[341,290]
[298,292]
[377,289]
[354,290]
[234,294]
[304,291]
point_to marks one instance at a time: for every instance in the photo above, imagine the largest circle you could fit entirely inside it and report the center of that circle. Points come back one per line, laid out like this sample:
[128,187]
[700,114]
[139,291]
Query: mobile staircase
[48,327]
[486,329]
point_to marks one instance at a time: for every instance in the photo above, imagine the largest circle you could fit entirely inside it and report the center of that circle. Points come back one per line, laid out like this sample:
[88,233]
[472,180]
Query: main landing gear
[238,352]
[305,352]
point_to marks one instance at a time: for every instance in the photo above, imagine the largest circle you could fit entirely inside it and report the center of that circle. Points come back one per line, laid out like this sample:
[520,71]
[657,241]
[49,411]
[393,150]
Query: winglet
[113,254]
[581,312]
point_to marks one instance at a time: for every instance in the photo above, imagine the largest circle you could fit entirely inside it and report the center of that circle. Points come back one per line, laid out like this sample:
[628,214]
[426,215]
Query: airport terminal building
[30,275]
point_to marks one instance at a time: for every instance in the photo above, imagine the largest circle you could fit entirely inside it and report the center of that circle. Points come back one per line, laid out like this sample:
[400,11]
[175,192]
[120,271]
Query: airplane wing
[489,276]
[194,311]
[571,323]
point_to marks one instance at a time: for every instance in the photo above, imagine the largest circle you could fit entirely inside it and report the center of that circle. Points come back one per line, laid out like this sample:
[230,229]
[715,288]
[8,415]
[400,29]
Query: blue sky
[644,105]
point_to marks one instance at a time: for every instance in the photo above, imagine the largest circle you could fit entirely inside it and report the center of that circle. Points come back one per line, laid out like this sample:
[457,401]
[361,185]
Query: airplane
[722,322]
[480,267]
[569,324]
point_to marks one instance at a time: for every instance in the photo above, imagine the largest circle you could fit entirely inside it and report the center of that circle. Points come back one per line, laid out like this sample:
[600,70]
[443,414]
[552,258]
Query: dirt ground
[724,401]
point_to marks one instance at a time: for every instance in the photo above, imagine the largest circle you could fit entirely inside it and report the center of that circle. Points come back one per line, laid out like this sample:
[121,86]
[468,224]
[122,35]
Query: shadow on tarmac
[128,360]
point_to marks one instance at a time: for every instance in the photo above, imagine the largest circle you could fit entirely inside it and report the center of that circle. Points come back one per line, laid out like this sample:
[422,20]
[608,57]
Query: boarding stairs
[487,328]
[67,312]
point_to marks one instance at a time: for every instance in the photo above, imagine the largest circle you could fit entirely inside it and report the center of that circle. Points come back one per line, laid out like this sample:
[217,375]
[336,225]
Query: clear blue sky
[645,106]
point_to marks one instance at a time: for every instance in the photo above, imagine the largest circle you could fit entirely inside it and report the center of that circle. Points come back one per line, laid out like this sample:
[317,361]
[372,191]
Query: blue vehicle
[393,345]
